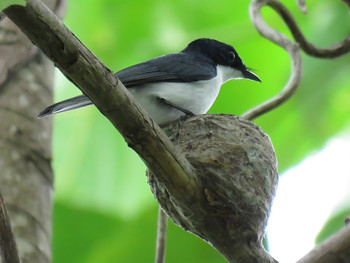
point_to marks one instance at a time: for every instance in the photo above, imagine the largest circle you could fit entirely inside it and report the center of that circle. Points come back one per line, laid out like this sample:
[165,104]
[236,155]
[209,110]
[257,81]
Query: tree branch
[109,95]
[161,236]
[336,248]
[292,49]
[333,51]
[333,250]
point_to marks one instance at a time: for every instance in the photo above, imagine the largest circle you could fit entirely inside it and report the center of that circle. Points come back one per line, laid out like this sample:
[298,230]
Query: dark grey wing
[177,67]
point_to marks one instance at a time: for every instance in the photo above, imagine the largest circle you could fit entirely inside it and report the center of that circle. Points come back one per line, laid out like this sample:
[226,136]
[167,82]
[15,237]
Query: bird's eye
[232,56]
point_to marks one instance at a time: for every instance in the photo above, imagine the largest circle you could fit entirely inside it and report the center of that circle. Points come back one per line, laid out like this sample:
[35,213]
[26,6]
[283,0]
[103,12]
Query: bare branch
[161,236]
[109,95]
[293,51]
[8,248]
[333,250]
[333,51]
[336,248]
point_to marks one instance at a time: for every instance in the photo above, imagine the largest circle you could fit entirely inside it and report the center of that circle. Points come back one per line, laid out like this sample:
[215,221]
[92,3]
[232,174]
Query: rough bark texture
[26,177]
[26,82]
[236,171]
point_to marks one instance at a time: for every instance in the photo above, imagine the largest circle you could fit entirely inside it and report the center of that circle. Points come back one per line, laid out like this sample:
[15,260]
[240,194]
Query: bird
[177,84]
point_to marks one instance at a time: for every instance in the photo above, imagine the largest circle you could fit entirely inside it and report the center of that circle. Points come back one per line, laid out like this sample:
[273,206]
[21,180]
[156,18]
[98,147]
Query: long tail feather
[66,105]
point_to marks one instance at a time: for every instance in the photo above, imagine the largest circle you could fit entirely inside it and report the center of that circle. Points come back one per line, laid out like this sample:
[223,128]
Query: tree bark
[26,181]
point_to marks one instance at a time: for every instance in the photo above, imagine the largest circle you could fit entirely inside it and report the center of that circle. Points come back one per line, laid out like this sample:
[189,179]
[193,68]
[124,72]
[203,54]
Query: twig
[333,51]
[333,250]
[336,248]
[8,248]
[293,51]
[161,236]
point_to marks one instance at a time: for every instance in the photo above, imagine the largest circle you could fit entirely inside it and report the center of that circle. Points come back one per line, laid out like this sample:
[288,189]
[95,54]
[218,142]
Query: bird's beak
[247,74]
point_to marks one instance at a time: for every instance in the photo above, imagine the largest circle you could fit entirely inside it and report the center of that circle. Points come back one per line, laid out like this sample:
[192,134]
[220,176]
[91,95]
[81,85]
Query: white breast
[196,97]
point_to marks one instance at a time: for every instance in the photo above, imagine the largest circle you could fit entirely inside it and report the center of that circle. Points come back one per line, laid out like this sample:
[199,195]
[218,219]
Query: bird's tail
[66,105]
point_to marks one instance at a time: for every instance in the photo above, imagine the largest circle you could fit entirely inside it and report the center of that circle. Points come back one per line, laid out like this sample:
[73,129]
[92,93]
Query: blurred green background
[104,210]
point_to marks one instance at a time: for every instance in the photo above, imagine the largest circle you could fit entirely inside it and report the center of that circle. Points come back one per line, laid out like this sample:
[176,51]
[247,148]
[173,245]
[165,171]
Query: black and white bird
[171,86]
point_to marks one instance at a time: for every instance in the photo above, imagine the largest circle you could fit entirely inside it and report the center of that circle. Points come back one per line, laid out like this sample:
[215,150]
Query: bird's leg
[164,101]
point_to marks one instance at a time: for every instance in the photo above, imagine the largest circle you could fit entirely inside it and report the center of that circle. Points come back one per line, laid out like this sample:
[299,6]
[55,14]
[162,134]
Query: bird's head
[221,54]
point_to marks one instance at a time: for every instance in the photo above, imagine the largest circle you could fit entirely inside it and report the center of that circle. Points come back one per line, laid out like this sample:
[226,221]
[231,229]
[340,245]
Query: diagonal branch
[108,94]
[141,133]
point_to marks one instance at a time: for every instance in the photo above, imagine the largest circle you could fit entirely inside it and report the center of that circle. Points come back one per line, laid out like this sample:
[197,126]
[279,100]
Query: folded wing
[177,67]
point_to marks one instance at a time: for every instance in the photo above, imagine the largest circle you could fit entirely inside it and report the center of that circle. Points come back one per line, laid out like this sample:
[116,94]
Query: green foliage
[95,169]
[334,223]
[85,235]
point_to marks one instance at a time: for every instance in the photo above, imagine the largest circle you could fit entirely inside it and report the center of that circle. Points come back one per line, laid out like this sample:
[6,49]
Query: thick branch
[333,250]
[107,93]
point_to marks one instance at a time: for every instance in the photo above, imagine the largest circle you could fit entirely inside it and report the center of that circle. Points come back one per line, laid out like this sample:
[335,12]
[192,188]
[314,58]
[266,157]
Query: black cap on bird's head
[220,54]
